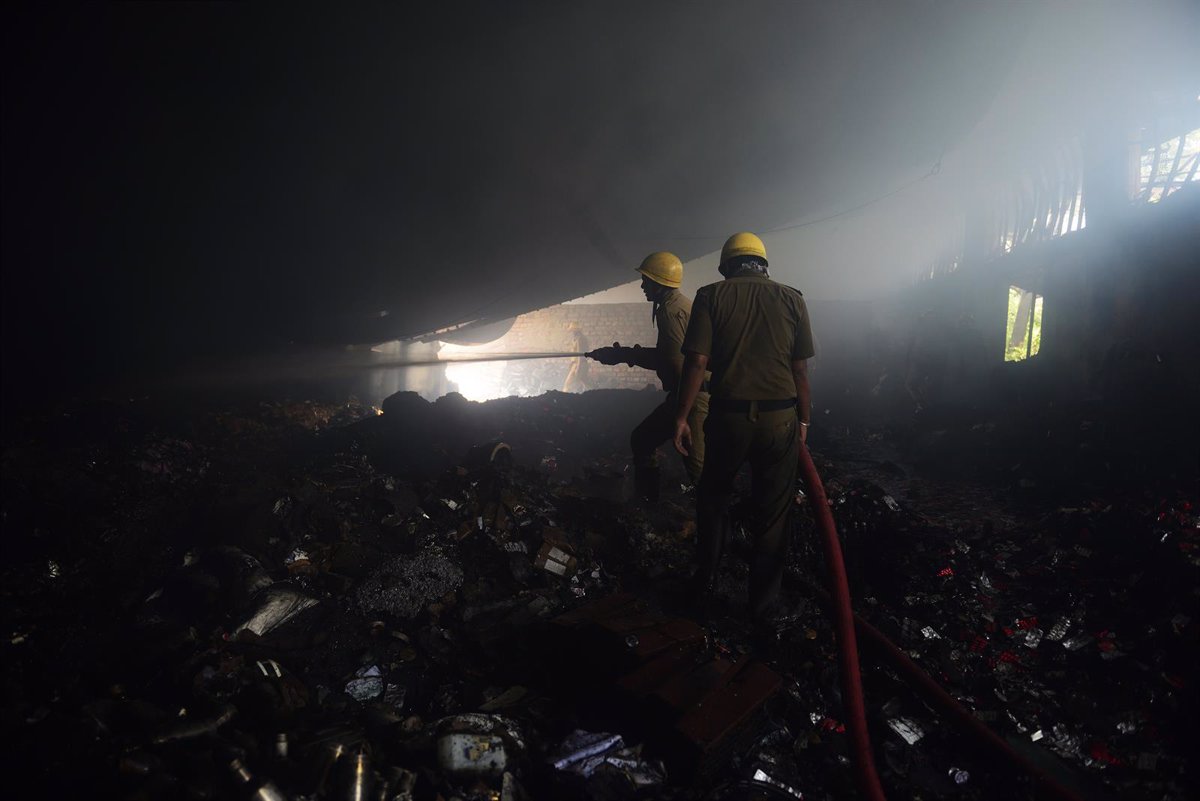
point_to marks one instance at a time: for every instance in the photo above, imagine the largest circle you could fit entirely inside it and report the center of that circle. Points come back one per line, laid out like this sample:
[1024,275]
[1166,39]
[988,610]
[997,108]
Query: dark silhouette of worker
[754,335]
[662,275]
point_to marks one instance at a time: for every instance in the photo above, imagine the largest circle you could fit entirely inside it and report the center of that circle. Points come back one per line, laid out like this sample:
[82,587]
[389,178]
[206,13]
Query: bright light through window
[1168,166]
[1075,218]
[1024,335]
[476,381]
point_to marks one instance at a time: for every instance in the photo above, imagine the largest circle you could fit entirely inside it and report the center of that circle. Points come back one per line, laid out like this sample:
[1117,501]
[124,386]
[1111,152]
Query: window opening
[1044,201]
[1023,337]
[1168,166]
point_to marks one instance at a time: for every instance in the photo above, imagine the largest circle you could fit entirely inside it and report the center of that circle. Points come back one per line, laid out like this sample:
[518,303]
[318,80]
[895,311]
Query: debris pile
[306,601]
[1074,631]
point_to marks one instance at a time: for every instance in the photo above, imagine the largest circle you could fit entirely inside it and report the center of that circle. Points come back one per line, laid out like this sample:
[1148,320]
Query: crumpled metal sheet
[279,604]
[583,753]
[367,684]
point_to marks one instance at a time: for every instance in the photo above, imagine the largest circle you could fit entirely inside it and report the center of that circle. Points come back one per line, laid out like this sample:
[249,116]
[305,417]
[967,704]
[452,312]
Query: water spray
[479,357]
[339,366]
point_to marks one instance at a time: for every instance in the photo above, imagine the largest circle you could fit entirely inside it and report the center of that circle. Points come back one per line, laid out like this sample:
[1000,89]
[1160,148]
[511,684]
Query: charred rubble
[332,601]
[232,580]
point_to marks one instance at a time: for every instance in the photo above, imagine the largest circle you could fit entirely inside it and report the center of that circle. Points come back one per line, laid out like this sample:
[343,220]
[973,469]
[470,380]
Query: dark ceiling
[184,179]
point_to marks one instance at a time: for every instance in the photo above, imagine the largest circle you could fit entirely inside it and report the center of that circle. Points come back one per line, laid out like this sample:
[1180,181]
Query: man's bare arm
[803,398]
[694,365]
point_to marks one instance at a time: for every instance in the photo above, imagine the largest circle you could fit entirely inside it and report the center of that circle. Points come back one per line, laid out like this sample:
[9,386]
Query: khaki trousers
[770,442]
[659,427]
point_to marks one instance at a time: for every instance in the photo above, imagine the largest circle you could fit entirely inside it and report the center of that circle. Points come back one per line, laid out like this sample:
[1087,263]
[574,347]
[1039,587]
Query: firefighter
[662,274]
[753,335]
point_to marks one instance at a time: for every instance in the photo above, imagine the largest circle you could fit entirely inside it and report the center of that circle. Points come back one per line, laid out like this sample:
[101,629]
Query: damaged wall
[1118,329]
[1119,349]
[549,330]
[601,324]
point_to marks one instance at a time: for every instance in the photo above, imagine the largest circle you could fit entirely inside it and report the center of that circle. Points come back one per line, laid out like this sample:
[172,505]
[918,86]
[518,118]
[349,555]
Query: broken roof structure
[381,173]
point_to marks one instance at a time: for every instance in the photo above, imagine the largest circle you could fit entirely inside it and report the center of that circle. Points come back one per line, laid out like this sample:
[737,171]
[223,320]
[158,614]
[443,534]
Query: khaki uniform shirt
[751,329]
[671,318]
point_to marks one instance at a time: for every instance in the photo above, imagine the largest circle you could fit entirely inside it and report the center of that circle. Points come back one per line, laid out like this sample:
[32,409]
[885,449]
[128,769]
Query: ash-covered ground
[308,600]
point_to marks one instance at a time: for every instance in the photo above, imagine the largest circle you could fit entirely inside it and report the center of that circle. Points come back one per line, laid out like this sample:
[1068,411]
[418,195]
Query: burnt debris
[298,600]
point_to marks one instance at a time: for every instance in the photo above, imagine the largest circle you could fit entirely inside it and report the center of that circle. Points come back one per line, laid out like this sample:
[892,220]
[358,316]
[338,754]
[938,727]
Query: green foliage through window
[1023,337]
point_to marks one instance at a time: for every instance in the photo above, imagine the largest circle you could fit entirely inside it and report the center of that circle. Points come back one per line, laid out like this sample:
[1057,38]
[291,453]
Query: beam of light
[476,381]
[482,374]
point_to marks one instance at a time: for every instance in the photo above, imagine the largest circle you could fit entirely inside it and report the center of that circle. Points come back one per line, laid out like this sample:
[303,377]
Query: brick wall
[546,330]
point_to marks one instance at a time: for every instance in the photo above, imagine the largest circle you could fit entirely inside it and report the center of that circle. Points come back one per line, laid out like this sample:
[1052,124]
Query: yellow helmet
[743,244]
[663,268]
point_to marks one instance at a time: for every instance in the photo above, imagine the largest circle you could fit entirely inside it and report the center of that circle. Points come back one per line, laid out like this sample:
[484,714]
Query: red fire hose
[843,618]
[845,621]
[940,700]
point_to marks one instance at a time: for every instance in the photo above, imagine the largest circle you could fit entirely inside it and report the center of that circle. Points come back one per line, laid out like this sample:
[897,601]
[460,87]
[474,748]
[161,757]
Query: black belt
[730,405]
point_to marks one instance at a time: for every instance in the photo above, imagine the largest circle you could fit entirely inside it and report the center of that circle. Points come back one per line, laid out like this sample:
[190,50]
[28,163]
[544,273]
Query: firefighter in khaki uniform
[662,274]
[754,335]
